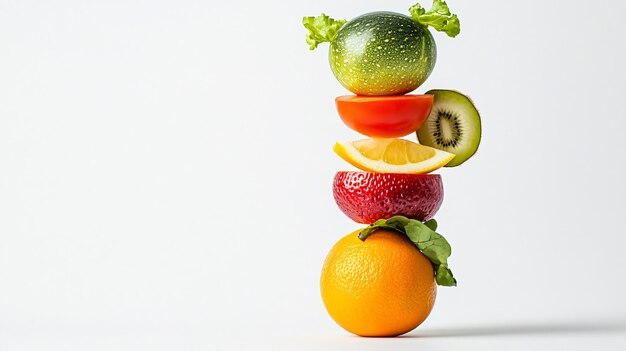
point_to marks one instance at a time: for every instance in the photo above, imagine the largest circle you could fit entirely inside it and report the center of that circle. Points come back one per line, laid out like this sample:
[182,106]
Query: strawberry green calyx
[439,17]
[322,29]
[430,243]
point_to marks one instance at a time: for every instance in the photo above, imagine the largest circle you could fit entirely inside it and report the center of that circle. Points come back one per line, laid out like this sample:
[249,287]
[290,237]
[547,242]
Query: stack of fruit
[381,280]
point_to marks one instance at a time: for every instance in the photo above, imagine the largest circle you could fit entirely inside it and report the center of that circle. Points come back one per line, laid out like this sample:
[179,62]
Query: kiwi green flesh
[453,126]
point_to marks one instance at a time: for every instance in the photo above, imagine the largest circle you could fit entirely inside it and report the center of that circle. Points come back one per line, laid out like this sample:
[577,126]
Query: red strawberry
[366,197]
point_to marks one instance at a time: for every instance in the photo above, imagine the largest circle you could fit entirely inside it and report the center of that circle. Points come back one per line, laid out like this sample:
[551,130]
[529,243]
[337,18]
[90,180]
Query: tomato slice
[384,116]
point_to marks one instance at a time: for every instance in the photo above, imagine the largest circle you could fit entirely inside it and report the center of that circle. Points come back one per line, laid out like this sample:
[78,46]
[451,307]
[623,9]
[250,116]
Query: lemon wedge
[392,156]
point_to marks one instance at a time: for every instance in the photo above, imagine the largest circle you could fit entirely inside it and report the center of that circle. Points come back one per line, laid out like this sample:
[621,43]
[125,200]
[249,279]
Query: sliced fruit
[453,126]
[392,156]
[384,116]
[367,197]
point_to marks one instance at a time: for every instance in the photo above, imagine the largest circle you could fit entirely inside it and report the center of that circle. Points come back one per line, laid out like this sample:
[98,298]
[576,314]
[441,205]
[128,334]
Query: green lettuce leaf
[432,244]
[439,17]
[322,29]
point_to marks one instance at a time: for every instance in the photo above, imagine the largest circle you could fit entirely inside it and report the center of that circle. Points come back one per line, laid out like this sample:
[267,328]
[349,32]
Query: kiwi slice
[453,126]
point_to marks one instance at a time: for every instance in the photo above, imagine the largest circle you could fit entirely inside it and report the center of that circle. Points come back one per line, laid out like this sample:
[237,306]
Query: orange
[383,286]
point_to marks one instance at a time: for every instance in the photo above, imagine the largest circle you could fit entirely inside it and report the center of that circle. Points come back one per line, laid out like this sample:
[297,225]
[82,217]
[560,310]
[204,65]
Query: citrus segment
[392,156]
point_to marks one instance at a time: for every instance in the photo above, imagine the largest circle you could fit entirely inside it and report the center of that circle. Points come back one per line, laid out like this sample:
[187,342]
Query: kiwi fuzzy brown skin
[453,125]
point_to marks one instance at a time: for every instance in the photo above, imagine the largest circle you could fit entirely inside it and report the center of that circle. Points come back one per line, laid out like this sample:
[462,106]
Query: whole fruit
[382,53]
[367,197]
[383,286]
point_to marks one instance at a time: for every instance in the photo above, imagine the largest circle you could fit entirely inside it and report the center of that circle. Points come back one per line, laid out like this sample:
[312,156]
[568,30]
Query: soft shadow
[521,329]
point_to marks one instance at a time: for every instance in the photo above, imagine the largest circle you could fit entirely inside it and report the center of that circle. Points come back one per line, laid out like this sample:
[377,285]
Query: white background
[166,168]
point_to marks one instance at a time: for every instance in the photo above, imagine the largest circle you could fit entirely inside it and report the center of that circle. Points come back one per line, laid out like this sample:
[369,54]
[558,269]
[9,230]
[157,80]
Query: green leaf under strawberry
[432,244]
